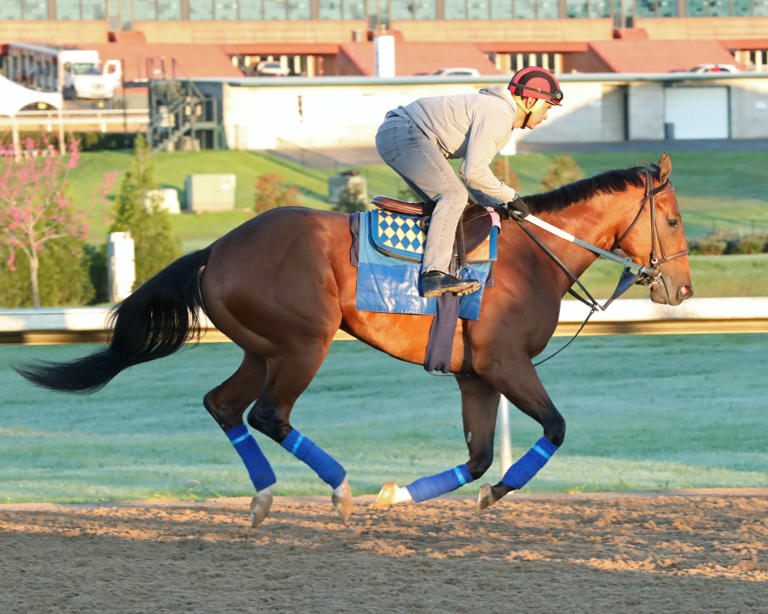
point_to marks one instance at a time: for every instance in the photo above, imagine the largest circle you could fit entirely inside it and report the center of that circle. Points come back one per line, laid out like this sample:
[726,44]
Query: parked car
[456,72]
[271,68]
[702,68]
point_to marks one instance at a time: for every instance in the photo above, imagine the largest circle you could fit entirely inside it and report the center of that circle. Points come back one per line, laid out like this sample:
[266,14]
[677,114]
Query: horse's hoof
[342,499]
[485,498]
[387,495]
[260,506]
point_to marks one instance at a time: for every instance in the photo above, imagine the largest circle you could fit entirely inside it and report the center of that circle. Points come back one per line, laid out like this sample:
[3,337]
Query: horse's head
[655,238]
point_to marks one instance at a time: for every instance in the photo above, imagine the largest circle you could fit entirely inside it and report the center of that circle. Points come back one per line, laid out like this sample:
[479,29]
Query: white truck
[75,73]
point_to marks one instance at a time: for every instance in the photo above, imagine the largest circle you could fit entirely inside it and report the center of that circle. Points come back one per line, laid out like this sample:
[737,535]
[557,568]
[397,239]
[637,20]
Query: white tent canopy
[14,97]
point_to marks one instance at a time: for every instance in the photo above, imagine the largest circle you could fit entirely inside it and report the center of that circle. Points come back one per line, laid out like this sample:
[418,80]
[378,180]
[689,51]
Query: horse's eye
[673,223]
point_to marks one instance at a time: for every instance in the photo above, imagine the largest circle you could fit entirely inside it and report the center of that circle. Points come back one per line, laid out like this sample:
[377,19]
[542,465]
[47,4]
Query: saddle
[471,233]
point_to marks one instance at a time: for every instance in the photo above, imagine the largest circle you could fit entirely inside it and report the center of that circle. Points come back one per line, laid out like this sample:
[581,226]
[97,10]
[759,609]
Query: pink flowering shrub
[36,217]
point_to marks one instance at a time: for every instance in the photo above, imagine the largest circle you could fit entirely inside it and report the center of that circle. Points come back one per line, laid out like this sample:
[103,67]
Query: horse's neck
[597,220]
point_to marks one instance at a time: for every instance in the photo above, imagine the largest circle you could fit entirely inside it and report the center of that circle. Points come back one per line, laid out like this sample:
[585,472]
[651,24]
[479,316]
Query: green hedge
[729,242]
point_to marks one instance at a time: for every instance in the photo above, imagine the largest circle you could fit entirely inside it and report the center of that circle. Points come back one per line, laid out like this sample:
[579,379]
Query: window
[548,9]
[330,9]
[67,9]
[760,7]
[226,10]
[455,9]
[94,9]
[144,10]
[299,10]
[353,9]
[424,9]
[168,10]
[201,9]
[251,10]
[501,9]
[275,10]
[36,9]
[477,9]
[576,8]
[525,9]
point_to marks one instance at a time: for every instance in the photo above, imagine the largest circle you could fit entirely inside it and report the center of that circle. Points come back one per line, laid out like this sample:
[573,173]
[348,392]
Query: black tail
[151,323]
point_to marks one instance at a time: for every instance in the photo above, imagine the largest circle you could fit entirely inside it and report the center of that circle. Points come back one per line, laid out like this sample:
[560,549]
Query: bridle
[646,275]
[656,258]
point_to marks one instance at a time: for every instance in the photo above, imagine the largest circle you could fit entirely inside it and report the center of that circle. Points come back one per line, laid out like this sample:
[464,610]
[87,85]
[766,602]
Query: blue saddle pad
[387,284]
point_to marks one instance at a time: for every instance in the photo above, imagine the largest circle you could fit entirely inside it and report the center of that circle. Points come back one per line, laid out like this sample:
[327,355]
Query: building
[332,37]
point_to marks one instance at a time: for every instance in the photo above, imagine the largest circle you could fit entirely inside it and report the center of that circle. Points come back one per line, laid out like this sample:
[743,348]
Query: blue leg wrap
[440,483]
[306,450]
[519,474]
[257,464]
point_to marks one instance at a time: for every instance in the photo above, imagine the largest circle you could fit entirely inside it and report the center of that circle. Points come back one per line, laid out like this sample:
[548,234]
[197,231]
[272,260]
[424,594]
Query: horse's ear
[665,167]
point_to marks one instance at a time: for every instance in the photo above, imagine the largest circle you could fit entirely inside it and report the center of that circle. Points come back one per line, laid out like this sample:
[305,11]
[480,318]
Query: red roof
[658,56]
[192,60]
[417,58]
[533,47]
[270,48]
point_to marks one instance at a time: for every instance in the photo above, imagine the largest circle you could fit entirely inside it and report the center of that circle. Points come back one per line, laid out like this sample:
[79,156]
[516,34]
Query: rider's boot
[435,283]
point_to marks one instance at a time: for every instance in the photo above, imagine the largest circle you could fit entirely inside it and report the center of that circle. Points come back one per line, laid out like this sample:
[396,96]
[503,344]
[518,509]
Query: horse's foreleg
[524,388]
[226,403]
[479,403]
[288,376]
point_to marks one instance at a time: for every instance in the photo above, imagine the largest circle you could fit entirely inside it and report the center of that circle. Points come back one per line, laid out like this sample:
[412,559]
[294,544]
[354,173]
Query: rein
[647,276]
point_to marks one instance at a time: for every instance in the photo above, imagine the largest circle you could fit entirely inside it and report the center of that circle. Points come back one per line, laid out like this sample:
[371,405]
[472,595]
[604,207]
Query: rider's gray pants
[427,172]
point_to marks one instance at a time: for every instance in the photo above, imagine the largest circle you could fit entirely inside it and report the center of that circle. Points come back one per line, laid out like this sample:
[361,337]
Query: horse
[281,284]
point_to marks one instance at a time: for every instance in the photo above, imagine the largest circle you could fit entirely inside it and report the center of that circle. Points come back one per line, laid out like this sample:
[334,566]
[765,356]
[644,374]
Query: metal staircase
[178,111]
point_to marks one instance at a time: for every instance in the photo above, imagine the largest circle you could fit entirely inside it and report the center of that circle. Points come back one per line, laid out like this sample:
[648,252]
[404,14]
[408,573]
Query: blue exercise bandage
[440,483]
[306,450]
[257,464]
[519,474]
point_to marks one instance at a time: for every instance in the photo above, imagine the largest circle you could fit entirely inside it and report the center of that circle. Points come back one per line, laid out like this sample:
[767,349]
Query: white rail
[624,316]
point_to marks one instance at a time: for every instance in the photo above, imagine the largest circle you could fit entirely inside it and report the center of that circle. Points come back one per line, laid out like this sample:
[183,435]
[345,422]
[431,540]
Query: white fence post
[505,455]
[121,265]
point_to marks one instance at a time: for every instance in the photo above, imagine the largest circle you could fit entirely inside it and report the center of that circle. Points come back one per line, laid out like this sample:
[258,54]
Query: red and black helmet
[536,82]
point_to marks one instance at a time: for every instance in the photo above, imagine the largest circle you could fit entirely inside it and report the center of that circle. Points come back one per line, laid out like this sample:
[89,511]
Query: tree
[564,169]
[141,215]
[35,213]
[272,192]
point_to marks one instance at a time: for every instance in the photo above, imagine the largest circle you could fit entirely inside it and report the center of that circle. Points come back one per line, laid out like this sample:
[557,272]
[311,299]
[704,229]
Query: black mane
[608,182]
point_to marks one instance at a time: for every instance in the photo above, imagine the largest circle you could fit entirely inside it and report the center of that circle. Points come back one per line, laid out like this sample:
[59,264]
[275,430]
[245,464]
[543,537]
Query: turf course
[643,412]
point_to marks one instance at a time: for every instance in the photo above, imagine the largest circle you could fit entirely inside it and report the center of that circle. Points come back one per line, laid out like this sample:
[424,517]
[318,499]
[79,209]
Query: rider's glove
[517,209]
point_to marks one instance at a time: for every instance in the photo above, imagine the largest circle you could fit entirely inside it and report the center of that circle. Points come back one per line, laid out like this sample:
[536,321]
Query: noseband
[656,258]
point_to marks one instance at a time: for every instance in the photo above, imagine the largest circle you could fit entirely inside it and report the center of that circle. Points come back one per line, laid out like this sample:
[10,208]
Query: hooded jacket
[473,127]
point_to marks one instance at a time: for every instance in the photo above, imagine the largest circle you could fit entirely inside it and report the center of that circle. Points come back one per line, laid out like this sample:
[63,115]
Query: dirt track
[598,553]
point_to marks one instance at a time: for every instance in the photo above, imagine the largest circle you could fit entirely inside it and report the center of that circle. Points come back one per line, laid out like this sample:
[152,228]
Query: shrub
[501,170]
[562,170]
[752,244]
[272,192]
[707,246]
[63,274]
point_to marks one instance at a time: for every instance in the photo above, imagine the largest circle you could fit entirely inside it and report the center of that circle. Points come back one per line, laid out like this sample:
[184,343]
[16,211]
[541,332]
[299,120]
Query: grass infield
[643,412]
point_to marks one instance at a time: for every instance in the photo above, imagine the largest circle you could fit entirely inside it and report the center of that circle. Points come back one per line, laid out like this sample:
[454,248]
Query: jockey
[417,139]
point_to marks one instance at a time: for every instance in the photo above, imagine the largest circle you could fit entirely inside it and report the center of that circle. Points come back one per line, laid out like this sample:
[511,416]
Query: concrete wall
[340,112]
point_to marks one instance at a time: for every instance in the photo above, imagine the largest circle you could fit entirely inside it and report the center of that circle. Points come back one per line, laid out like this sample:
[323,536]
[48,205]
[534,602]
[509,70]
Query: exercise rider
[417,140]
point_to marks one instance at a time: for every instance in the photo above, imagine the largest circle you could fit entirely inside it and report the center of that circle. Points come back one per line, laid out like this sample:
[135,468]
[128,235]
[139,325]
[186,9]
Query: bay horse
[281,285]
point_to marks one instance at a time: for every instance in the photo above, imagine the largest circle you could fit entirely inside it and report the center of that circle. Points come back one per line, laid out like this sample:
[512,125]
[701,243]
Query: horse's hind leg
[479,404]
[227,403]
[288,375]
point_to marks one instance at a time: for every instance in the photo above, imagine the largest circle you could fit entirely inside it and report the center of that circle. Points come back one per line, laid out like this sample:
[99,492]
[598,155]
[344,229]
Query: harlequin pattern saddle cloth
[388,248]
[403,236]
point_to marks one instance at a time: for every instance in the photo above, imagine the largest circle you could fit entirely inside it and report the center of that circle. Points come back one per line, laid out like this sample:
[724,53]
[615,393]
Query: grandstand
[334,37]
